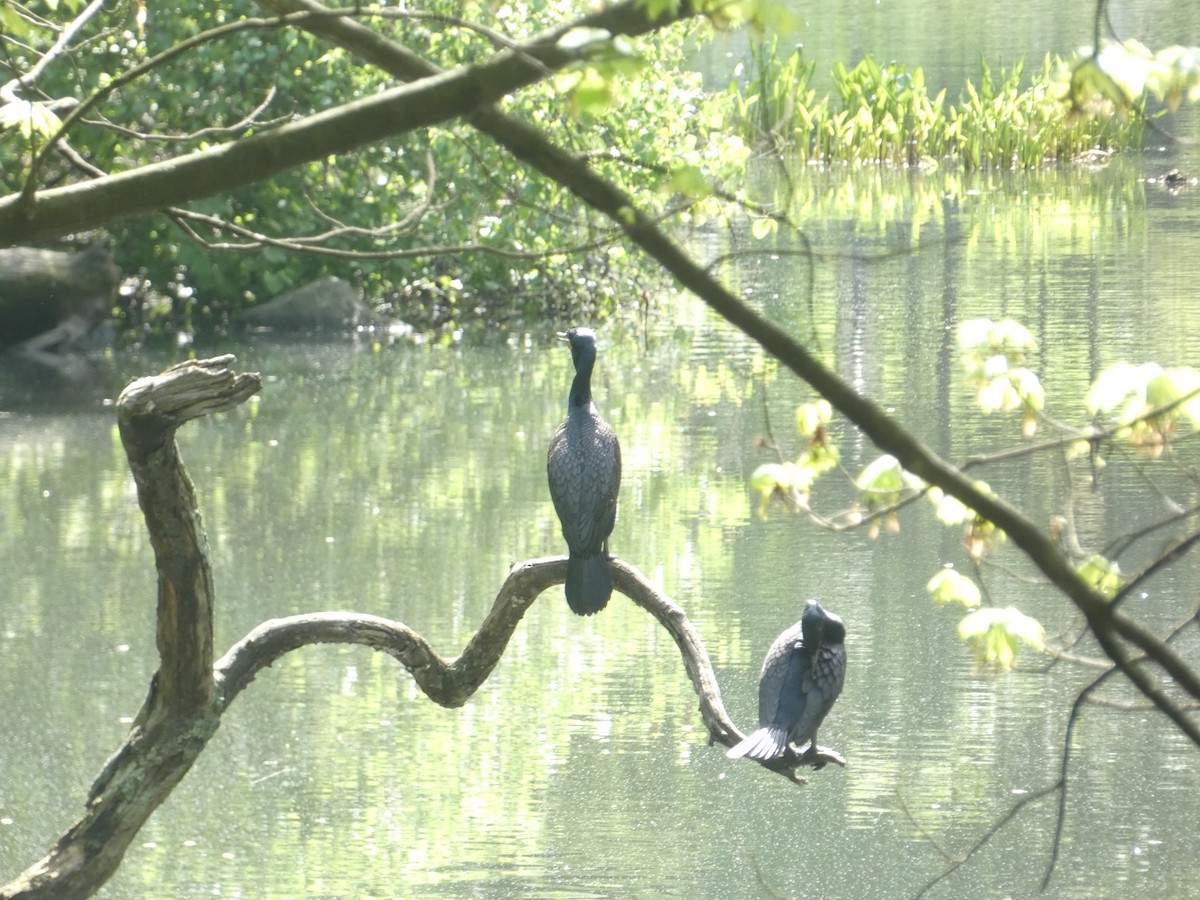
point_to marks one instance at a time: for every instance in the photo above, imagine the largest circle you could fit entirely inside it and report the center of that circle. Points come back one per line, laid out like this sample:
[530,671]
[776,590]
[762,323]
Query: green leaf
[691,182]
[881,481]
[592,92]
[12,24]
[995,635]
[1171,387]
[763,226]
[1102,576]
[786,478]
[1117,382]
[811,416]
[29,119]
[951,586]
[767,477]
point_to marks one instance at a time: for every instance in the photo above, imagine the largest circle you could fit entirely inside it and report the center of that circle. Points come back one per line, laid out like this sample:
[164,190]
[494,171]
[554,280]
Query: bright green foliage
[13,24]
[1149,401]
[994,354]
[880,485]
[484,237]
[950,510]
[1101,575]
[593,86]
[982,537]
[951,586]
[995,635]
[812,421]
[884,114]
[1123,72]
[1000,124]
[29,119]
[811,418]
[881,481]
[793,481]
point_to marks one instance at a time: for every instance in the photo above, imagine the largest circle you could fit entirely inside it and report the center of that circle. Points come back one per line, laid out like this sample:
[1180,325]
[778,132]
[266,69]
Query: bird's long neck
[581,388]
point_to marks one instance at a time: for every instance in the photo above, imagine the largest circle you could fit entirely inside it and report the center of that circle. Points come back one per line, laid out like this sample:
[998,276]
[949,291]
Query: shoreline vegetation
[884,114]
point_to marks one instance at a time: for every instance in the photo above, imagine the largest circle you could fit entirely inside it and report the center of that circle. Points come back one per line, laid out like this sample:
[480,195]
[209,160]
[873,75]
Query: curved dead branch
[1115,630]
[190,692]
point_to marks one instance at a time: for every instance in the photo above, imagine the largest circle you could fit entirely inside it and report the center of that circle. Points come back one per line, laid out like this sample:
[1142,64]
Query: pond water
[404,481]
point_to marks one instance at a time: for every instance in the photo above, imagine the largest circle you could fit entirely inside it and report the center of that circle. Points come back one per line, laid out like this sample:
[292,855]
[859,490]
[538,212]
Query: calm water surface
[405,482]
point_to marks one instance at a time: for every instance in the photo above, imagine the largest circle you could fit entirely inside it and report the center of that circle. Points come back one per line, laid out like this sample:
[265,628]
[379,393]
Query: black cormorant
[584,470]
[801,677]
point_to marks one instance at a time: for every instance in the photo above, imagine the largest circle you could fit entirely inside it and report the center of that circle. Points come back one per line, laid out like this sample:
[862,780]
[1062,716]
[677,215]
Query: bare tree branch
[9,91]
[189,692]
[991,832]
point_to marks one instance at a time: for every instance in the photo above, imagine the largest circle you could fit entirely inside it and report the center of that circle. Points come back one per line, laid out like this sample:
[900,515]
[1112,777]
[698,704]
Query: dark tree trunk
[56,293]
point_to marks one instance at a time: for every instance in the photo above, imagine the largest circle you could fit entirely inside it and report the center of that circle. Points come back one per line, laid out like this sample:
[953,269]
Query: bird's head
[583,345]
[820,626]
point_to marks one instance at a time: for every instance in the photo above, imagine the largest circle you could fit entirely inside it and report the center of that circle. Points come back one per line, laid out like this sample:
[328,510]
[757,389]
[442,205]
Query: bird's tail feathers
[589,584]
[765,744]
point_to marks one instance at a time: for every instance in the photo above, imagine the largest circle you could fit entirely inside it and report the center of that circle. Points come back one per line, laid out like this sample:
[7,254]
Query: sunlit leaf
[1010,334]
[881,481]
[951,586]
[1117,382]
[811,416]
[29,119]
[1028,388]
[767,477]
[787,479]
[1102,576]
[578,40]
[13,24]
[995,635]
[763,226]
[949,509]
[592,92]
[1172,386]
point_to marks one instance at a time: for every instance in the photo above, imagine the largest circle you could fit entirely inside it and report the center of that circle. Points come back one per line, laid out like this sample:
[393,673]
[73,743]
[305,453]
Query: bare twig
[987,835]
[9,91]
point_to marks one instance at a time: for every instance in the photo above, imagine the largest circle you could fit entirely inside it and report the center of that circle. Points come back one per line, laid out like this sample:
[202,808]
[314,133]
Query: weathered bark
[189,692]
[180,713]
[52,291]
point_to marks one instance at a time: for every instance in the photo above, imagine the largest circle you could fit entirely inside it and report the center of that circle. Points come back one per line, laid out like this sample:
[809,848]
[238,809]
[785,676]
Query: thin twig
[986,836]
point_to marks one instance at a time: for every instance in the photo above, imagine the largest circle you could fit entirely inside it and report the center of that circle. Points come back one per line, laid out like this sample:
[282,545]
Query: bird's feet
[813,755]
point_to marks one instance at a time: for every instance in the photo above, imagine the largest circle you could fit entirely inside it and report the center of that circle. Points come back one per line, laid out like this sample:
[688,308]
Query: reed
[884,114]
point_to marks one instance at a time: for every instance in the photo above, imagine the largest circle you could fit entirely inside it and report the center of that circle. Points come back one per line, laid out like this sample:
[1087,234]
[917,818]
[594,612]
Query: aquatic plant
[883,113]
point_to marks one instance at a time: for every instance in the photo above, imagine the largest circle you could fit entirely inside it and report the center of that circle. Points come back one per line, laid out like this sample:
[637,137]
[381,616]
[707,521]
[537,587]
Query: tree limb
[190,692]
[36,215]
[530,145]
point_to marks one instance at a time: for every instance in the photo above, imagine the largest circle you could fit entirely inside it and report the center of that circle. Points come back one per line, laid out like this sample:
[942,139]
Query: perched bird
[584,470]
[801,677]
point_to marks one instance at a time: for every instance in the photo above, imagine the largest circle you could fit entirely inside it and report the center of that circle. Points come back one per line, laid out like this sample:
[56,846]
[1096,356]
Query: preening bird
[801,678]
[584,470]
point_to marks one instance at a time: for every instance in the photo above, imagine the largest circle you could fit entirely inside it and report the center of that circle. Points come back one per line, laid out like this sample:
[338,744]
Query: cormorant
[584,470]
[801,677]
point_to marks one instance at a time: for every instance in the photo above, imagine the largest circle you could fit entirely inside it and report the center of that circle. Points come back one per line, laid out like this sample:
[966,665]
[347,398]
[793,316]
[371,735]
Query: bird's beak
[563,336]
